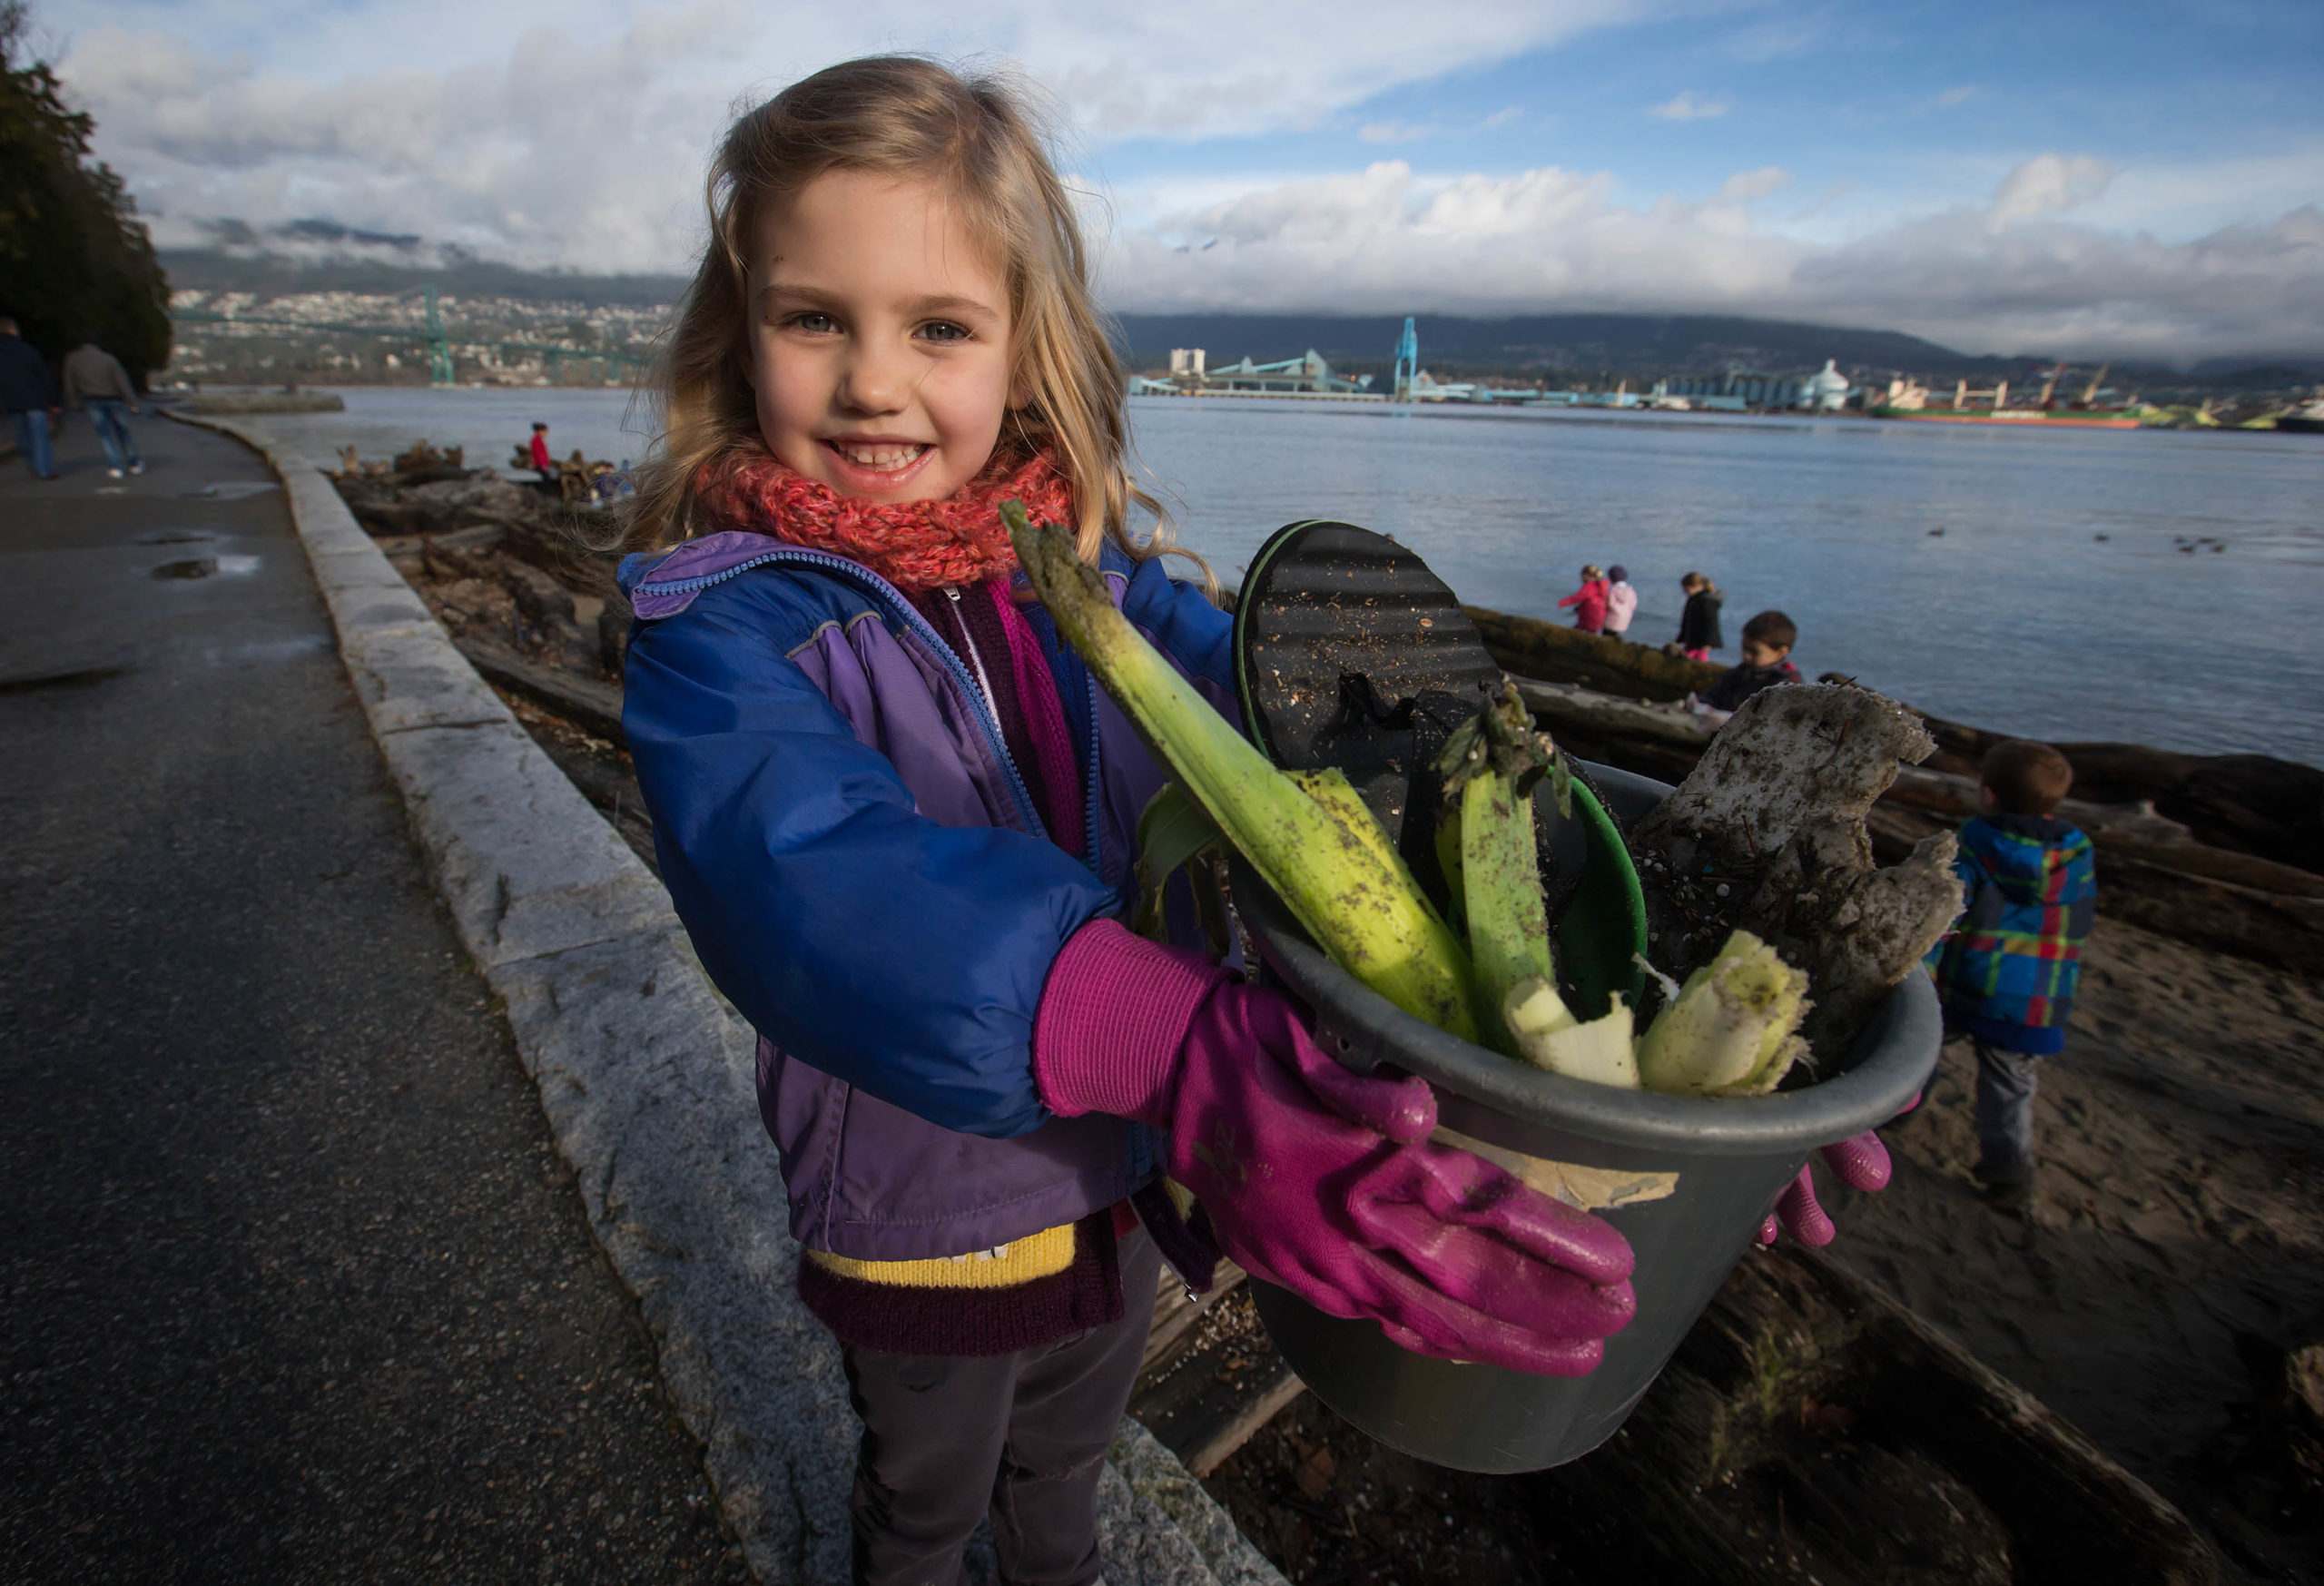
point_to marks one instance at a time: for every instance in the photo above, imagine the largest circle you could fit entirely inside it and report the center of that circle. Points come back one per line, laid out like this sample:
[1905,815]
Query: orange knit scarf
[914,545]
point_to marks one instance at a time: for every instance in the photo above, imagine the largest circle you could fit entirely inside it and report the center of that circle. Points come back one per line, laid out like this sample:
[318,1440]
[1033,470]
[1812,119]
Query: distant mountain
[1631,344]
[357,262]
[316,255]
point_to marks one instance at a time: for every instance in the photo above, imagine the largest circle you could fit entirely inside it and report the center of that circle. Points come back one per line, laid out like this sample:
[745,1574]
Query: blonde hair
[976,137]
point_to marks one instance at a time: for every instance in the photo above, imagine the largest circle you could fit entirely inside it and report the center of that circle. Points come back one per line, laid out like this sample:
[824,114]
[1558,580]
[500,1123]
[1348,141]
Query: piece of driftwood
[1768,834]
[1533,648]
[586,702]
[2251,803]
[482,537]
[548,622]
[557,549]
[2287,1426]
[1178,1307]
[2148,873]
[1212,1377]
[2269,927]
[1812,1428]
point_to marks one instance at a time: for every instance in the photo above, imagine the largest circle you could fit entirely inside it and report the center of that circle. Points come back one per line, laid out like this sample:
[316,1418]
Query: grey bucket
[1731,1158]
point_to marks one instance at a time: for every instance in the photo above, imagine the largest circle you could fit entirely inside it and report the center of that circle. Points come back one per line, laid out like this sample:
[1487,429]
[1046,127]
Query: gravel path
[296,1287]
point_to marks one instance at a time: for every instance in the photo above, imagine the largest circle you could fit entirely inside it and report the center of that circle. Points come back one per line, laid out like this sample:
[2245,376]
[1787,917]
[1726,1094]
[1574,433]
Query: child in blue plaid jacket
[2008,970]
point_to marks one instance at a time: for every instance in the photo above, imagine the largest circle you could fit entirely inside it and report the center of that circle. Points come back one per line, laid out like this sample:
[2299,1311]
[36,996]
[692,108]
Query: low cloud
[1688,106]
[585,152]
[2012,274]
[2048,184]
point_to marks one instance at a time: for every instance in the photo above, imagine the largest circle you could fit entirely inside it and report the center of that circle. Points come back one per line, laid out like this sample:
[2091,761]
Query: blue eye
[945,331]
[813,323]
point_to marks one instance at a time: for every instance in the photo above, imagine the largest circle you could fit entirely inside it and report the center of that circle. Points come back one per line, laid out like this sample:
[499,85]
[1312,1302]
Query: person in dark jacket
[94,381]
[1767,639]
[1699,633]
[2010,968]
[28,396]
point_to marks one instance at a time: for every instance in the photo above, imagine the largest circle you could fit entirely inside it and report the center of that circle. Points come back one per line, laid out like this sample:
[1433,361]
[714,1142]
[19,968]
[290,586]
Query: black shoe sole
[1349,652]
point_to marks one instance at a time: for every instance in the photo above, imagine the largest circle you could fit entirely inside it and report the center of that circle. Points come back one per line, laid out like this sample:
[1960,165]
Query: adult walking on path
[94,381]
[296,1287]
[28,395]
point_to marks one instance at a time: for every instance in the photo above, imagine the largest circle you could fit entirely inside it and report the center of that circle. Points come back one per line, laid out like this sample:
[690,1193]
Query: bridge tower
[439,349]
[1407,363]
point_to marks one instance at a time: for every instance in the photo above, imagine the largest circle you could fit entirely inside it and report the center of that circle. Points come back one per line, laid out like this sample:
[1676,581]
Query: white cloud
[2005,276]
[2045,185]
[576,132]
[574,135]
[1960,95]
[1688,106]
[1394,132]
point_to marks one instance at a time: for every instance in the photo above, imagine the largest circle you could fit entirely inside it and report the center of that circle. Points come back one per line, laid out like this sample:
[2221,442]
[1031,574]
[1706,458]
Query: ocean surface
[2030,583]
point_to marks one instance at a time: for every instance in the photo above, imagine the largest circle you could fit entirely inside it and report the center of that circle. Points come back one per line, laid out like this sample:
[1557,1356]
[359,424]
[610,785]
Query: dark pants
[32,439]
[2004,1114]
[947,1438]
[110,420]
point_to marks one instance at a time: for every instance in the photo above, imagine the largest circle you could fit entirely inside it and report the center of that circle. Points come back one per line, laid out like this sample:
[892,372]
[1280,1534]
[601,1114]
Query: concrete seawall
[644,1075]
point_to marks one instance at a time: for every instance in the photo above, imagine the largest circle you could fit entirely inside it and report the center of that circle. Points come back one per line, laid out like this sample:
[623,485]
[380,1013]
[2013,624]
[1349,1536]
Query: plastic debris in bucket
[1687,1180]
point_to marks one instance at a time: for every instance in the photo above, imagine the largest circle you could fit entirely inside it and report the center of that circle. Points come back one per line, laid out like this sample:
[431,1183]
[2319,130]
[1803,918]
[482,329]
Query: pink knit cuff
[1113,1020]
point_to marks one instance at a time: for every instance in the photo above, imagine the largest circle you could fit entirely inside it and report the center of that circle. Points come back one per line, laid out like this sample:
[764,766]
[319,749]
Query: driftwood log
[1767,834]
[2151,872]
[1812,1428]
[2248,803]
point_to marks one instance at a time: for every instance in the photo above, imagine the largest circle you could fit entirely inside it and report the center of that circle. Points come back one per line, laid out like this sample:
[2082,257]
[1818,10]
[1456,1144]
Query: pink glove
[1319,1180]
[1862,1163]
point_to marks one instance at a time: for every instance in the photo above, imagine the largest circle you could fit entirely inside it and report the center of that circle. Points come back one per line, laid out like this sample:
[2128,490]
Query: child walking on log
[898,819]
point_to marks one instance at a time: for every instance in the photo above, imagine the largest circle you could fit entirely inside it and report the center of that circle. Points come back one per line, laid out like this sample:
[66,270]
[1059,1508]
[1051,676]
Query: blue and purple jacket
[862,872]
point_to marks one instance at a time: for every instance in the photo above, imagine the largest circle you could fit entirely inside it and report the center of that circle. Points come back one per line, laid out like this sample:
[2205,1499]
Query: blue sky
[2140,177]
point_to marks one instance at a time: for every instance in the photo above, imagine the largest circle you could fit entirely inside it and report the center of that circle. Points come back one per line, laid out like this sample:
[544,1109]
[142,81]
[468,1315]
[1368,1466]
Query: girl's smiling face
[879,339]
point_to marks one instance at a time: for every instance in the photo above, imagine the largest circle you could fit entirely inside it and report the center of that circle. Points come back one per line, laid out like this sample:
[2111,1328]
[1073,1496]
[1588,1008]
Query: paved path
[292,1284]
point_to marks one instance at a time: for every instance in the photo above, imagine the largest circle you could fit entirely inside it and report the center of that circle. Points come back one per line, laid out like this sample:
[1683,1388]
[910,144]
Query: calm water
[2015,617]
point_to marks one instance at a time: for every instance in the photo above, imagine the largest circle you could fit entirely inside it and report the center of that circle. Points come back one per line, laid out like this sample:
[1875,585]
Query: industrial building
[1739,390]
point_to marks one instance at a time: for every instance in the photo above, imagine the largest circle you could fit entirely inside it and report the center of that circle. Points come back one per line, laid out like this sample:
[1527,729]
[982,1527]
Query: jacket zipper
[987,719]
[952,594]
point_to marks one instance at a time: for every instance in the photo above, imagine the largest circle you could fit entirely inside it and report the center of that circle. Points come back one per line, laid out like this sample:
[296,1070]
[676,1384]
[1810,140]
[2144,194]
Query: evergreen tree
[74,258]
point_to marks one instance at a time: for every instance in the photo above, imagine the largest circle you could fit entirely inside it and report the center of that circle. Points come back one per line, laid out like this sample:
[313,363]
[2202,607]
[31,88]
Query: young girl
[1621,602]
[1589,602]
[1699,633]
[897,816]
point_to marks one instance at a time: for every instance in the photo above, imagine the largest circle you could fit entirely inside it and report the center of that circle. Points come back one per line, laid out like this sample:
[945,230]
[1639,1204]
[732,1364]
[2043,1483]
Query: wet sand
[2181,1142]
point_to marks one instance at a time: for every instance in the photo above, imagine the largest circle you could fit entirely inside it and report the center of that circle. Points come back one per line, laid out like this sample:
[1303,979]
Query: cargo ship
[2307,419]
[1908,398]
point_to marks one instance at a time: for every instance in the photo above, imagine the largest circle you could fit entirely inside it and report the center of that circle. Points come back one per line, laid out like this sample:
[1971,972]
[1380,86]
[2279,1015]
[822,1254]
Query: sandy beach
[2182,1146]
